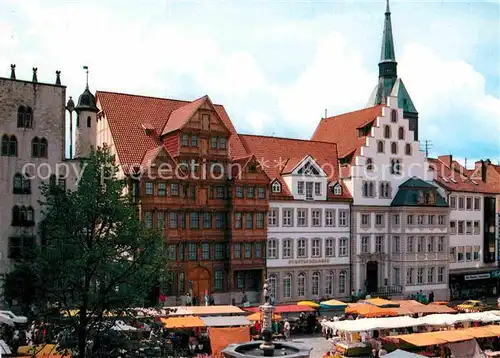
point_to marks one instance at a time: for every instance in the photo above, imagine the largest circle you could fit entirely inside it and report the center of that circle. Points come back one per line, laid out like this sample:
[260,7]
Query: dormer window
[337,189]
[194,141]
[222,143]
[276,187]
[308,169]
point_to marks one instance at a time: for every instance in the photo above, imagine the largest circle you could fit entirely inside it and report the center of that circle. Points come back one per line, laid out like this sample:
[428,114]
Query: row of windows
[300,249]
[22,184]
[420,275]
[369,191]
[462,227]
[465,253]
[198,220]
[176,283]
[193,141]
[465,202]
[39,147]
[421,244]
[304,289]
[394,150]
[380,220]
[216,191]
[302,217]
[218,251]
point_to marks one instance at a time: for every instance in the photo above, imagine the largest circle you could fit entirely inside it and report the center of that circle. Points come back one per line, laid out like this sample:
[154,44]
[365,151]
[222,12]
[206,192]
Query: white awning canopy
[225,321]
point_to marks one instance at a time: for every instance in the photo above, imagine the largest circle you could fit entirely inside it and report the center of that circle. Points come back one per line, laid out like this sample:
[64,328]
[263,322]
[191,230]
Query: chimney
[480,170]
[446,159]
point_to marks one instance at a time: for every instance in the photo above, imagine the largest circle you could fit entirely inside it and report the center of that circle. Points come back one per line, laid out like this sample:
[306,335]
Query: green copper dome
[86,102]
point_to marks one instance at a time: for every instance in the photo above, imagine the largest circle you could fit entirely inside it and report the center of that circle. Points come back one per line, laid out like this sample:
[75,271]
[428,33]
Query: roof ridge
[156,97]
[287,138]
[357,110]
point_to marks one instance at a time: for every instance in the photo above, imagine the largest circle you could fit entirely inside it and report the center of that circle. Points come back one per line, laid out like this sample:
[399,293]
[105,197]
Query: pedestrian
[286,329]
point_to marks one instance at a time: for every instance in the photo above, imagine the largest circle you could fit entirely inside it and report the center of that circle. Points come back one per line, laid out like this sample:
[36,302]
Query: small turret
[86,132]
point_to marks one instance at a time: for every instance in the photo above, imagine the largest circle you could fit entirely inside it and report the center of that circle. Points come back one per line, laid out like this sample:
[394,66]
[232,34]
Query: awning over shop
[285,309]
[257,316]
[380,302]
[183,322]
[370,324]
[206,310]
[333,304]
[398,353]
[450,336]
[225,321]
[368,310]
[308,303]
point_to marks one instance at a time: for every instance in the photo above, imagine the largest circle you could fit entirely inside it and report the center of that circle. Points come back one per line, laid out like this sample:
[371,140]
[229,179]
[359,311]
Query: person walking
[286,329]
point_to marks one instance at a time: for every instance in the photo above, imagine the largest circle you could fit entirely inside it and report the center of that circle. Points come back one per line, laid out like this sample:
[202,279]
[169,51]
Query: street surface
[319,344]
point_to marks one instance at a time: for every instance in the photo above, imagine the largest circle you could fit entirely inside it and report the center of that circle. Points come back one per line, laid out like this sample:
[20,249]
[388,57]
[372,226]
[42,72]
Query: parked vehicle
[472,306]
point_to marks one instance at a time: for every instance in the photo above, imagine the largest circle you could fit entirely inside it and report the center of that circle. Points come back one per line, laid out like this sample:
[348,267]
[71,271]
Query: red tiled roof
[457,178]
[274,155]
[343,129]
[179,117]
[126,113]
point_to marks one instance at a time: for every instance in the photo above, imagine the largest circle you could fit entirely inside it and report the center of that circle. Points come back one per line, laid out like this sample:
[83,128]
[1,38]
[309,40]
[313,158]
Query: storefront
[474,285]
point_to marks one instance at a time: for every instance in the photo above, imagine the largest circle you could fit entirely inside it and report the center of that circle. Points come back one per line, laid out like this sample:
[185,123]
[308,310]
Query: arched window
[329,283]
[35,147]
[387,132]
[13,146]
[276,187]
[18,183]
[315,284]
[16,216]
[272,280]
[43,148]
[20,116]
[365,189]
[370,190]
[30,215]
[22,215]
[5,145]
[401,133]
[369,164]
[287,286]
[28,118]
[394,116]
[342,282]
[380,146]
[408,149]
[394,148]
[89,122]
[301,284]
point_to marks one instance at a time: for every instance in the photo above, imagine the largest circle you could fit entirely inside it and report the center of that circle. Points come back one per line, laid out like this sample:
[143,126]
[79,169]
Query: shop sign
[495,274]
[478,276]
[309,262]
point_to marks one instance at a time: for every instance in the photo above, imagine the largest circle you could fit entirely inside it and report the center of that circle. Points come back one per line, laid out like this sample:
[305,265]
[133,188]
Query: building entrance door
[371,276]
[200,278]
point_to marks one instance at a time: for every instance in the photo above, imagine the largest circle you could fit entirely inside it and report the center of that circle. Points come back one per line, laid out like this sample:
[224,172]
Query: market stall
[368,310]
[257,316]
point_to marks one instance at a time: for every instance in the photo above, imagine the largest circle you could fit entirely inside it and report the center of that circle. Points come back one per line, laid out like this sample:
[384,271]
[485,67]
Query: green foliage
[96,256]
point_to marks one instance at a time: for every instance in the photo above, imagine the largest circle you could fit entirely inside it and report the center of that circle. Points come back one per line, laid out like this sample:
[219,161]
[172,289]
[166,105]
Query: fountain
[266,348]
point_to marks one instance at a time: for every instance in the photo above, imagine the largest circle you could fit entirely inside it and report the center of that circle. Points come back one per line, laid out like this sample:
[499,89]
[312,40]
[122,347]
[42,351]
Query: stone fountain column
[267,325]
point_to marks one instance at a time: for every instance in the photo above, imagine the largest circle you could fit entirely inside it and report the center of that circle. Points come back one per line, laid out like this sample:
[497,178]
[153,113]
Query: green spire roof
[387,53]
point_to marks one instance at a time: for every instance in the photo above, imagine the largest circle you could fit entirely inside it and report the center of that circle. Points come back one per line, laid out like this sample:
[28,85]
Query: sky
[276,66]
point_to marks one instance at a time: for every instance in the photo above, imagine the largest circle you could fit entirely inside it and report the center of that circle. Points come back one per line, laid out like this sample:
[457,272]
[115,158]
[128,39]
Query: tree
[96,257]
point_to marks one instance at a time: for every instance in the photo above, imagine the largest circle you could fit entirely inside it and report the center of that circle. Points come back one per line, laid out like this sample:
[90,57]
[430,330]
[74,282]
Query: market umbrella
[308,303]
[333,304]
[367,310]
[257,316]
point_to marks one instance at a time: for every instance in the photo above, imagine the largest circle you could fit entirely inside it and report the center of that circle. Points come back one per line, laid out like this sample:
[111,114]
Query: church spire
[387,53]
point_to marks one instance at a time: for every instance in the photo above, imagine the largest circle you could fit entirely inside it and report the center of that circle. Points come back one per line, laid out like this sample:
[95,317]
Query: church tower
[389,84]
[86,131]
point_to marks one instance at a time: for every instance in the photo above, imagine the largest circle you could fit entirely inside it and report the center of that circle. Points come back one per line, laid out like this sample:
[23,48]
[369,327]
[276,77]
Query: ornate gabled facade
[472,227]
[192,179]
[399,240]
[308,253]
